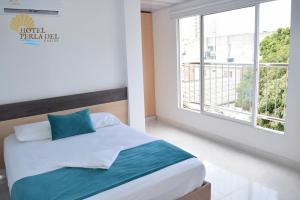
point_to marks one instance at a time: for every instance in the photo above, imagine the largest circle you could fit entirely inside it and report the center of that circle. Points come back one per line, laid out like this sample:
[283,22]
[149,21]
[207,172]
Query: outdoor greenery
[275,47]
[244,90]
[272,81]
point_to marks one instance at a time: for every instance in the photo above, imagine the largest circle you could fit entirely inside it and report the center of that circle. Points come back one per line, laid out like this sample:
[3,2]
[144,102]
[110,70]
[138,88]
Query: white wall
[285,148]
[133,35]
[91,55]
[99,48]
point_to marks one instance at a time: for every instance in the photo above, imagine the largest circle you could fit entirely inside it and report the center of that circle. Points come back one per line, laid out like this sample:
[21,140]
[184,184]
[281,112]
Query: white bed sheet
[32,158]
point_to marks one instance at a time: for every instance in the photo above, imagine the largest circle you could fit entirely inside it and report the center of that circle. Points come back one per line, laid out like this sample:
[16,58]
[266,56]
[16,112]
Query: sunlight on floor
[230,186]
[234,175]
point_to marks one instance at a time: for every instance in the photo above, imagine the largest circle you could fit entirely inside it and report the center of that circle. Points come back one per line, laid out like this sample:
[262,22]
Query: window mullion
[179,75]
[202,63]
[256,67]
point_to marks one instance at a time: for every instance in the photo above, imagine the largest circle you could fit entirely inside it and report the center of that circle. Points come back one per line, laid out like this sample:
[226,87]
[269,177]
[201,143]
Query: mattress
[25,159]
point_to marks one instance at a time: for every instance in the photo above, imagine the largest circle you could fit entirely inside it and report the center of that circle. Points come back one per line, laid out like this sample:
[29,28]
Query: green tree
[244,90]
[275,47]
[272,81]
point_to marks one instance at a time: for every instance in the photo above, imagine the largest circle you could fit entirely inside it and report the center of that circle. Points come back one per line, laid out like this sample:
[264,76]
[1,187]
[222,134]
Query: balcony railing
[228,89]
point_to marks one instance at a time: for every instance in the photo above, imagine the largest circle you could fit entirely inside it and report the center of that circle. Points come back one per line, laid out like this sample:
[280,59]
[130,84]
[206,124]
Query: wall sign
[14,2]
[29,33]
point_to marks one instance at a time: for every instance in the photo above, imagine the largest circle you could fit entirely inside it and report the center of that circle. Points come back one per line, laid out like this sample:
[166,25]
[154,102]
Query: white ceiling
[152,5]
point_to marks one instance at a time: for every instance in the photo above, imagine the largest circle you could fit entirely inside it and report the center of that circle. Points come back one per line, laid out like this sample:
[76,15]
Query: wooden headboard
[11,115]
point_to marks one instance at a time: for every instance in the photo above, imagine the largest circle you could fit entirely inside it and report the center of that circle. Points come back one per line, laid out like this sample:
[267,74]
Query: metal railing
[228,89]
[272,99]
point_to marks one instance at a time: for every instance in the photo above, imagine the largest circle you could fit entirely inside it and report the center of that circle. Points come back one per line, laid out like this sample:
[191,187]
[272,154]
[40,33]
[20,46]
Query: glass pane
[229,63]
[275,19]
[189,38]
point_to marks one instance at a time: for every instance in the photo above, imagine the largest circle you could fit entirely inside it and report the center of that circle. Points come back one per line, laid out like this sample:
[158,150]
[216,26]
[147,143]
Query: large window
[233,64]
[231,34]
[190,62]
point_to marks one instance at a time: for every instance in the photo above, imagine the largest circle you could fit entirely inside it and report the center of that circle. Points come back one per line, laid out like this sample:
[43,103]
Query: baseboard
[283,161]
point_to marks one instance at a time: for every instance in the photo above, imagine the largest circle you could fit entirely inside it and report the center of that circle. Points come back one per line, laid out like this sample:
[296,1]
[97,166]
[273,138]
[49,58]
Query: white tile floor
[234,175]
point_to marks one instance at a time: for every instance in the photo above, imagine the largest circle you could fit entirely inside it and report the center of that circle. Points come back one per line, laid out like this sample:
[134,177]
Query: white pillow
[42,130]
[33,132]
[104,119]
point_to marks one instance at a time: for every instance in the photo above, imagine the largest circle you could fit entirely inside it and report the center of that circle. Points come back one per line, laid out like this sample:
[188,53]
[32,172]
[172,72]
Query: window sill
[190,110]
[269,131]
[250,124]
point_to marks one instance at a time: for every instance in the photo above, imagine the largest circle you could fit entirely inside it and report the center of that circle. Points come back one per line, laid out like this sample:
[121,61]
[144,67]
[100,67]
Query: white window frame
[215,9]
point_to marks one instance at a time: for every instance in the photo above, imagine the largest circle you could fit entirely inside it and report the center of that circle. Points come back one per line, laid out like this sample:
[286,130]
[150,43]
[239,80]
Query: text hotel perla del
[38,34]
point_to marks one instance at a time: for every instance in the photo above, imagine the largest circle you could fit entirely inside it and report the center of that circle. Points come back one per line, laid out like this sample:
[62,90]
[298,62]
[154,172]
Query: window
[274,37]
[245,54]
[190,62]
[233,41]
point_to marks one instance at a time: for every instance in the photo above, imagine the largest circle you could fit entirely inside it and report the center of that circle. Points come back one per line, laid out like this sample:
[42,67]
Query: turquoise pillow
[63,126]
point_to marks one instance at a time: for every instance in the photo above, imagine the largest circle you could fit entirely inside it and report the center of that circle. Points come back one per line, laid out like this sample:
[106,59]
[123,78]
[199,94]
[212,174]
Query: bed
[184,180]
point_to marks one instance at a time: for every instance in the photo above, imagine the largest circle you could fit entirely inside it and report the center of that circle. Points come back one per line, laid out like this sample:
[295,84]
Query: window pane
[189,38]
[275,18]
[229,63]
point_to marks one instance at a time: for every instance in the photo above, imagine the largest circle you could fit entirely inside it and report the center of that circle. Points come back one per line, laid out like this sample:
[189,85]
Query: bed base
[200,193]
